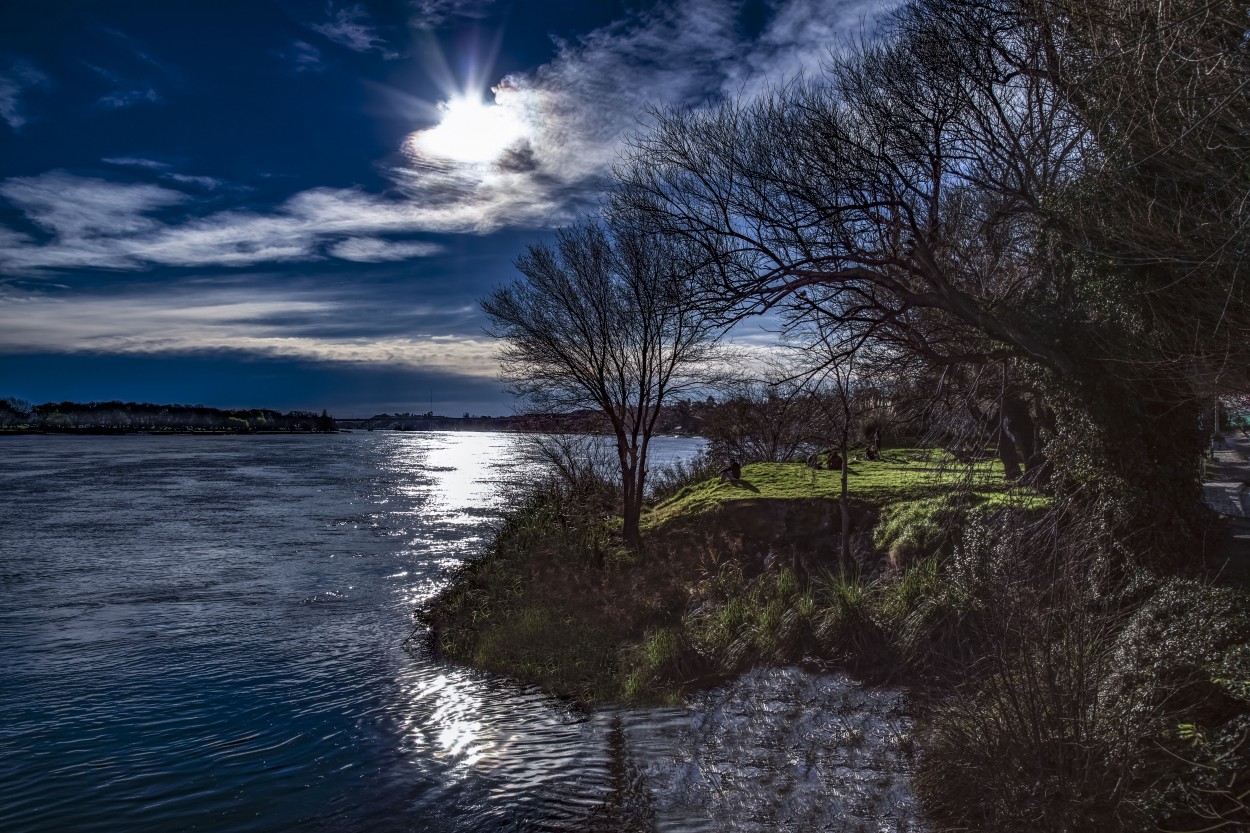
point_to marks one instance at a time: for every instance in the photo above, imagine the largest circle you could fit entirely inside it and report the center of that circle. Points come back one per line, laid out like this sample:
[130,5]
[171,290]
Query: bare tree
[605,319]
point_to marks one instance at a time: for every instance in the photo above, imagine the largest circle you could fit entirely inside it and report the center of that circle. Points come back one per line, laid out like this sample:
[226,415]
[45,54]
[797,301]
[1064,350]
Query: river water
[207,633]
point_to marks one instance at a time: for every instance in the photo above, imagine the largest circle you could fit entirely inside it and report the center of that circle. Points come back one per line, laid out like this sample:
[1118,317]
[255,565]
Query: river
[207,633]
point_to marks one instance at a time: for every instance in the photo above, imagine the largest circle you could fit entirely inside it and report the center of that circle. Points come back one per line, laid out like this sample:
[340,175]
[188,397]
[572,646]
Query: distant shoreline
[117,417]
[210,432]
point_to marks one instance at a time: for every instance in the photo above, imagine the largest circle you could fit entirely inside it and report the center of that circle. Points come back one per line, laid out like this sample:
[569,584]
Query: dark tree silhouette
[605,319]
[1037,192]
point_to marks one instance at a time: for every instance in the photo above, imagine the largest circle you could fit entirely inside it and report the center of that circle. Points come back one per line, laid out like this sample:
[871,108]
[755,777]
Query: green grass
[903,475]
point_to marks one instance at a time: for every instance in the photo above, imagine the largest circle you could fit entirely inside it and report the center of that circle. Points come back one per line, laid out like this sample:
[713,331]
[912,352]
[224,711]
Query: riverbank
[732,575]
[1060,678]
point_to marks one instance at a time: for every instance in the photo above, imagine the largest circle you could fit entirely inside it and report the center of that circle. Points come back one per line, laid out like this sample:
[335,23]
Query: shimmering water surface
[206,633]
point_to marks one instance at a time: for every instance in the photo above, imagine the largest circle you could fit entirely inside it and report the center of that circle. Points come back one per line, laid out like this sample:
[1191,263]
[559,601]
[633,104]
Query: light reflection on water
[208,631]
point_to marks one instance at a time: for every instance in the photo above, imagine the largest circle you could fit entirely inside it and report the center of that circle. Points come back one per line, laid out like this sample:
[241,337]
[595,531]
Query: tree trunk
[1007,452]
[1135,449]
[844,556]
[631,502]
[630,528]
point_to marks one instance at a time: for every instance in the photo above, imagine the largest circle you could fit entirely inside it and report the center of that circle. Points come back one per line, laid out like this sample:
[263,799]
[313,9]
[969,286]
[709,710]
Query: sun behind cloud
[470,132]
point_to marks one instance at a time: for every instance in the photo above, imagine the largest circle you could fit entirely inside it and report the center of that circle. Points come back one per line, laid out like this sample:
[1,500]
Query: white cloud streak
[221,320]
[128,98]
[207,182]
[101,224]
[125,93]
[304,57]
[135,162]
[376,250]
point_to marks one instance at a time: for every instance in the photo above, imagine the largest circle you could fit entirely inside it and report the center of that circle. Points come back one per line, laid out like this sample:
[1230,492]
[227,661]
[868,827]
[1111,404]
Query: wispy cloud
[376,250]
[163,169]
[268,322]
[79,207]
[578,107]
[19,77]
[139,52]
[303,57]
[125,92]
[94,223]
[128,98]
[800,37]
[352,27]
[206,182]
[431,13]
[135,162]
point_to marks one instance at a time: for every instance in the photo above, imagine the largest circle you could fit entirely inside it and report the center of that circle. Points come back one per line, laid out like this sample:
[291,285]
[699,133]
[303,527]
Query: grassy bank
[731,575]
[1065,689]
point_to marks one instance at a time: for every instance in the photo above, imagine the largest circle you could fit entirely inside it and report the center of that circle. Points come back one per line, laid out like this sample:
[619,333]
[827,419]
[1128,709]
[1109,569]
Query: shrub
[667,481]
[1081,705]
[1026,727]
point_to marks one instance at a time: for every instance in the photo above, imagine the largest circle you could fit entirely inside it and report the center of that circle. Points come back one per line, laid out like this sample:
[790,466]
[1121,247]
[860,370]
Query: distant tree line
[121,417]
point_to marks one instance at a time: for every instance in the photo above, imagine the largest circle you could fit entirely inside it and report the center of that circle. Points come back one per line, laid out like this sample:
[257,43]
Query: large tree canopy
[1054,189]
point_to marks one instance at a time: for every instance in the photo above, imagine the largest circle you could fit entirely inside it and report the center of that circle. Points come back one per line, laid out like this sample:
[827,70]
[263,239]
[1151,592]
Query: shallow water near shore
[208,633]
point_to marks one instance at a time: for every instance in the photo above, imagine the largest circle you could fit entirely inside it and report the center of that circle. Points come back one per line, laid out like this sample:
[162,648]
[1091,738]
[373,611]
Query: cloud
[577,109]
[126,93]
[208,182]
[268,322]
[304,57]
[73,207]
[162,168]
[430,13]
[352,27]
[798,39]
[376,250]
[128,98]
[95,223]
[137,51]
[135,162]
[574,112]
[14,82]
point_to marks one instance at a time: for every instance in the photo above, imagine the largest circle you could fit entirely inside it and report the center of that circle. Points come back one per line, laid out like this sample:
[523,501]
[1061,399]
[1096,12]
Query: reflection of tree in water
[627,808]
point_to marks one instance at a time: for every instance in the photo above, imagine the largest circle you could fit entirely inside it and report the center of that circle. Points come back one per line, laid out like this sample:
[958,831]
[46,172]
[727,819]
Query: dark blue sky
[298,204]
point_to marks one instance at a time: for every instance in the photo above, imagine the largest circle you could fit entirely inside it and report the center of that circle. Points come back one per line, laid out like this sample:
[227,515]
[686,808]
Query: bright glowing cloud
[470,132]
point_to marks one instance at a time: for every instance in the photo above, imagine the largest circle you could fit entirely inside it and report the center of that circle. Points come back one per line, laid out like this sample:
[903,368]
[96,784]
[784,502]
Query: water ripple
[205,632]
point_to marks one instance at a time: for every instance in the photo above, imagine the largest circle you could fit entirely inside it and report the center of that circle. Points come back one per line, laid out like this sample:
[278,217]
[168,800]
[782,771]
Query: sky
[297,205]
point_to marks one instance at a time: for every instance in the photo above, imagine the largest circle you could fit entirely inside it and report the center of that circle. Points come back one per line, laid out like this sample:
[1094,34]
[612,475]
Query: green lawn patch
[901,475]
